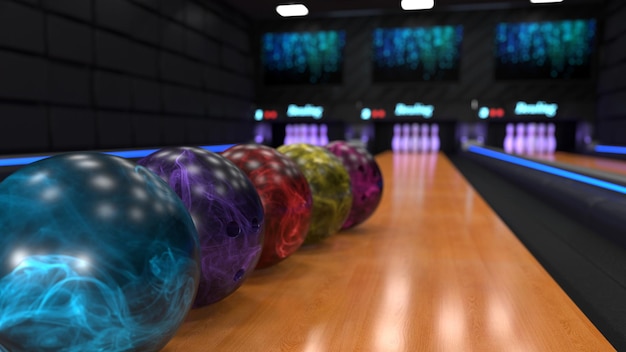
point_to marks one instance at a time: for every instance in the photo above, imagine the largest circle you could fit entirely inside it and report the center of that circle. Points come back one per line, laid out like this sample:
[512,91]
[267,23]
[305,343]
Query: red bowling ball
[285,194]
[365,177]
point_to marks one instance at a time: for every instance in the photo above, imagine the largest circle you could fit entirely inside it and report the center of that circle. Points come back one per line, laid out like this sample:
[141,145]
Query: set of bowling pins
[306,133]
[415,138]
[530,138]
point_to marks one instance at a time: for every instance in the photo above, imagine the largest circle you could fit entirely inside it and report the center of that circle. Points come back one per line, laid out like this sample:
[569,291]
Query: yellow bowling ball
[330,186]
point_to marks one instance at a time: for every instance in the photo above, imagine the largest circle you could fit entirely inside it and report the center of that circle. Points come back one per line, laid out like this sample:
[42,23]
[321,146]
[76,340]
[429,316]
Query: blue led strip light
[610,149]
[18,161]
[547,169]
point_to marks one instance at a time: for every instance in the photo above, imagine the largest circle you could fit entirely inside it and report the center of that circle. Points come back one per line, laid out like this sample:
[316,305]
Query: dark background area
[107,74]
[476,76]
[97,74]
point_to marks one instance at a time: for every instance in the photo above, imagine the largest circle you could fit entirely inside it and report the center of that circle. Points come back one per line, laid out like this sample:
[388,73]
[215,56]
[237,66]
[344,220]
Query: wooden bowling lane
[434,269]
[592,162]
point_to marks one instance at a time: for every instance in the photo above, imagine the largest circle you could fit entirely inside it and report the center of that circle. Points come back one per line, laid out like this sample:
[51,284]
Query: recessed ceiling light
[544,1]
[417,4]
[291,10]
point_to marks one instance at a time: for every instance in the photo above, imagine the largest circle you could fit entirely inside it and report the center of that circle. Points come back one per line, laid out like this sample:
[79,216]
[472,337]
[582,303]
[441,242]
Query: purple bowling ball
[226,210]
[365,177]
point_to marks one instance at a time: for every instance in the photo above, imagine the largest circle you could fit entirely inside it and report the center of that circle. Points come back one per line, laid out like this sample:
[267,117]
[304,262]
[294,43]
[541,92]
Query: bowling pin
[395,140]
[414,138]
[424,140]
[519,138]
[305,133]
[314,137]
[301,133]
[540,141]
[531,130]
[365,139]
[296,134]
[435,142]
[509,138]
[288,132]
[551,138]
[406,138]
[323,135]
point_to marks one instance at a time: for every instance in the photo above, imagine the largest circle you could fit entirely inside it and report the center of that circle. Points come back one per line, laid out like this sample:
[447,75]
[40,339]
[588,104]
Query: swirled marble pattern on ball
[330,185]
[366,179]
[226,210]
[96,254]
[285,195]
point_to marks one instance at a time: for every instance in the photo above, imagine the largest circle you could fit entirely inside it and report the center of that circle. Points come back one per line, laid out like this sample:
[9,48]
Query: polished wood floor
[593,162]
[434,269]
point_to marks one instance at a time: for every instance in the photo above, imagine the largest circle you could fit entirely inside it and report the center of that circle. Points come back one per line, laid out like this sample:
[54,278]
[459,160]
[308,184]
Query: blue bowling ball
[96,254]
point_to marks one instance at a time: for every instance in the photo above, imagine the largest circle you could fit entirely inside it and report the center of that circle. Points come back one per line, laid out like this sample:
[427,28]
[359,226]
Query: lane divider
[609,149]
[546,168]
[139,153]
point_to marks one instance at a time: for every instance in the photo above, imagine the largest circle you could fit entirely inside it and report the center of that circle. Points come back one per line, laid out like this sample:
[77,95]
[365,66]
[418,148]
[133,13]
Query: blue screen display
[303,57]
[417,54]
[545,50]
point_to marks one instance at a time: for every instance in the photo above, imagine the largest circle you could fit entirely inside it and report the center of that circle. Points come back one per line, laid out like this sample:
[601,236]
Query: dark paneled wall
[476,81]
[611,122]
[98,74]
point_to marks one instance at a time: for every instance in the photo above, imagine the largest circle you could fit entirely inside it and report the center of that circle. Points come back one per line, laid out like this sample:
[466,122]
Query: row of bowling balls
[102,253]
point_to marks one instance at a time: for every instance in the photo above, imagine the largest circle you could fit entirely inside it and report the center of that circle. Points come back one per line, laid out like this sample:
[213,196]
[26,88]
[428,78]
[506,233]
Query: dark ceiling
[265,9]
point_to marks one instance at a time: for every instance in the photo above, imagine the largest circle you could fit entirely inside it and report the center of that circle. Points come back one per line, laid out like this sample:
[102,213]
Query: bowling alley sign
[414,110]
[315,112]
[425,111]
[540,108]
[521,108]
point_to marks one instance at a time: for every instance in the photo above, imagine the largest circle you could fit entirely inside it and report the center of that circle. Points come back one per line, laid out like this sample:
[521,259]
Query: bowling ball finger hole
[239,274]
[233,229]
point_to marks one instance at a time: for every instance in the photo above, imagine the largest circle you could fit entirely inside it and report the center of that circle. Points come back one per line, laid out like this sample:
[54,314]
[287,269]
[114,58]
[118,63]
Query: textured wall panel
[114,129]
[69,84]
[148,130]
[24,129]
[21,27]
[145,95]
[22,76]
[72,129]
[182,100]
[173,36]
[112,51]
[112,90]
[115,14]
[196,46]
[153,4]
[611,107]
[174,130]
[614,25]
[142,60]
[80,9]
[145,26]
[69,40]
[178,69]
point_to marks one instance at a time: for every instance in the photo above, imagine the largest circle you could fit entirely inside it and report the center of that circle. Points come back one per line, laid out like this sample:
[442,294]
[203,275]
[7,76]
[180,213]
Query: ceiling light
[417,4]
[544,1]
[292,10]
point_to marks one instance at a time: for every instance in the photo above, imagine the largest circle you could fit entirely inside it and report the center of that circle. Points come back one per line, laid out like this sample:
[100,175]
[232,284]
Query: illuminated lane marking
[612,149]
[547,169]
[18,161]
